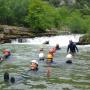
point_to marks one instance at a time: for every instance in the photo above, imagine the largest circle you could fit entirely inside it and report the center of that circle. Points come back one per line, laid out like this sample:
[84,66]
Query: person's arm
[76,48]
[67,48]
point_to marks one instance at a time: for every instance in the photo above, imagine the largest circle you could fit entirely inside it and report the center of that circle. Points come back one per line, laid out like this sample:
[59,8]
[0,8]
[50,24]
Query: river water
[75,76]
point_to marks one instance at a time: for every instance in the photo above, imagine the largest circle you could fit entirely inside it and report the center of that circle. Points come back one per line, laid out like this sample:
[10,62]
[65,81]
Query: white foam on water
[62,40]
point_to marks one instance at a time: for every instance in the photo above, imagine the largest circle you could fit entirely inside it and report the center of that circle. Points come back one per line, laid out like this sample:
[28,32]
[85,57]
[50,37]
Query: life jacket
[49,57]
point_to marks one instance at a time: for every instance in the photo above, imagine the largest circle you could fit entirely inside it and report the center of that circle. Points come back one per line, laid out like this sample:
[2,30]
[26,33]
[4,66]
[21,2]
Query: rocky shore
[84,40]
[7,33]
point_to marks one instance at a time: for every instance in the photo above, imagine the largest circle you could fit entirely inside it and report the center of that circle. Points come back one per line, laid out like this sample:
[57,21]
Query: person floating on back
[72,48]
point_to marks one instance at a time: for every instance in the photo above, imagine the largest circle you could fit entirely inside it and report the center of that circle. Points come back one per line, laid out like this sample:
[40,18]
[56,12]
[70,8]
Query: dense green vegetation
[40,15]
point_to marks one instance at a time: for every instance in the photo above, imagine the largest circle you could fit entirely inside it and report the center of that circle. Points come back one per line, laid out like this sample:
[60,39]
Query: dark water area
[75,76]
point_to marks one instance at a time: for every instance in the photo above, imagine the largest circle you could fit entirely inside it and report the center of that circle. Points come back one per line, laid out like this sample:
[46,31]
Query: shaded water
[63,76]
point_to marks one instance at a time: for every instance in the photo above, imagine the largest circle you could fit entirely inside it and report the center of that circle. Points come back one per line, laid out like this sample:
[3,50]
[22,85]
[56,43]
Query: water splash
[62,40]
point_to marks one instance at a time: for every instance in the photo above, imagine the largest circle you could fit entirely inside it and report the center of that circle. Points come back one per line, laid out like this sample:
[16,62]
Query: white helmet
[41,55]
[34,61]
[69,56]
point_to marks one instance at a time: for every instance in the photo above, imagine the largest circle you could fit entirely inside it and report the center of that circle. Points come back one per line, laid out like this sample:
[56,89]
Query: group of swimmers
[50,55]
[71,50]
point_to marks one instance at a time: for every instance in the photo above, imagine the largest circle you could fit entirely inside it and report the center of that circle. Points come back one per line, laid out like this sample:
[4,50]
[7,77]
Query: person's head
[69,56]
[70,41]
[57,44]
[41,54]
[41,49]
[12,80]
[6,76]
[34,65]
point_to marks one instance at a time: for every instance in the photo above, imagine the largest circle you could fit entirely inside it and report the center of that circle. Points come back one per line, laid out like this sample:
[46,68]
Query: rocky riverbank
[7,33]
[84,40]
[12,32]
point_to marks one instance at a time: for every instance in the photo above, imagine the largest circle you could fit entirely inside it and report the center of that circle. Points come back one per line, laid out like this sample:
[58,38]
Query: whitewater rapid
[62,40]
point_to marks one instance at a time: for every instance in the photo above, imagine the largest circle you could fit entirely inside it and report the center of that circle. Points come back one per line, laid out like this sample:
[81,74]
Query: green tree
[20,10]
[76,23]
[87,22]
[64,13]
[83,6]
[13,12]
[5,12]
[56,3]
[40,16]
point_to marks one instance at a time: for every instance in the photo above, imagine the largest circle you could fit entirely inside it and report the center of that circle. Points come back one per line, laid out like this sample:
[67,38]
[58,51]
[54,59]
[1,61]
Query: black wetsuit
[72,47]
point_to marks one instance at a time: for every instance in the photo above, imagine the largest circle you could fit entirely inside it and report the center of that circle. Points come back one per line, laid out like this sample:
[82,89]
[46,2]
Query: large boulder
[84,40]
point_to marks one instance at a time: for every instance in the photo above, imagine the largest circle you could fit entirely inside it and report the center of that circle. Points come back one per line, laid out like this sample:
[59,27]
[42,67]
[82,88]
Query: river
[75,76]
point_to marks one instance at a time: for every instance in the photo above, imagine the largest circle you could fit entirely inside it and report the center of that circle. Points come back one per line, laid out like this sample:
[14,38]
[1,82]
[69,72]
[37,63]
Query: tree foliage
[40,15]
[77,23]
[13,12]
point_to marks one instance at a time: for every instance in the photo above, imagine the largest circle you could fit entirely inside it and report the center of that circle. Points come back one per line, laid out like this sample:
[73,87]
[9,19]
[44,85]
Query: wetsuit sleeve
[68,48]
[76,48]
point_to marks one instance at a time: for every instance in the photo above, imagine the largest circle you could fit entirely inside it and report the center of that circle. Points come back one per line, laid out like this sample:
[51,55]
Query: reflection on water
[61,76]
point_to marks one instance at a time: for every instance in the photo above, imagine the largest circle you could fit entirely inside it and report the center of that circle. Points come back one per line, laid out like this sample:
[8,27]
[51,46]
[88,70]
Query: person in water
[41,56]
[57,47]
[41,49]
[52,51]
[6,53]
[34,65]
[49,58]
[72,48]
[69,58]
